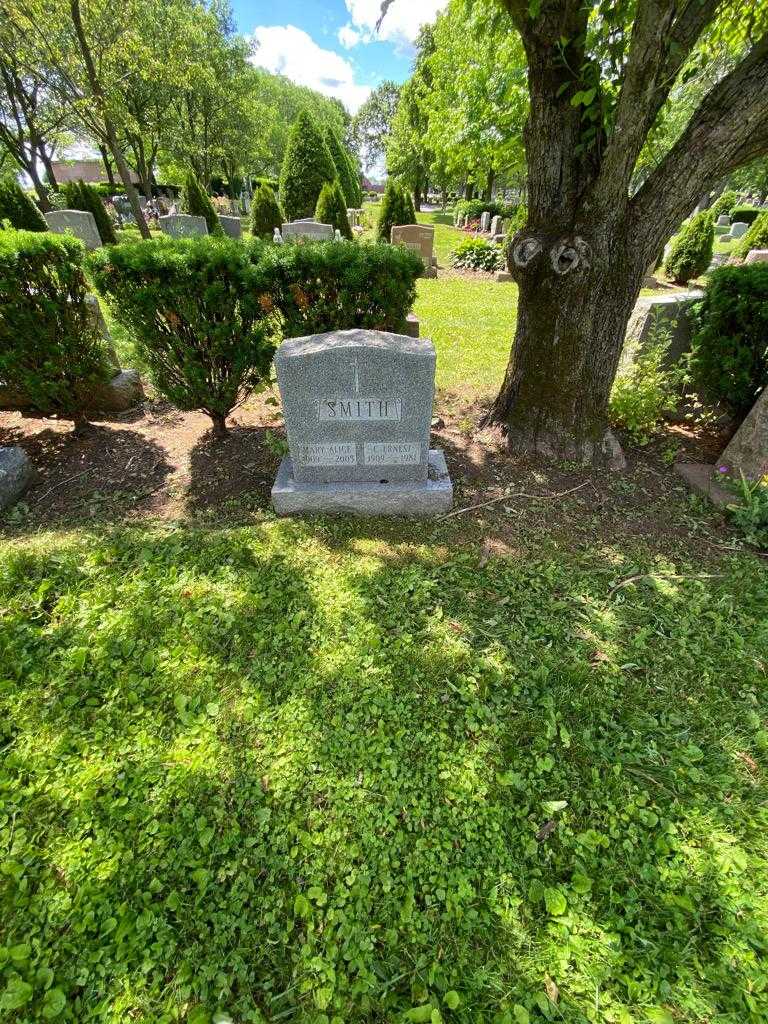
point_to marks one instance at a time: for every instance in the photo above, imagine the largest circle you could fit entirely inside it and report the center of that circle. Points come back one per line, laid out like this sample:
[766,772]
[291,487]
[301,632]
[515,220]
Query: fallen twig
[662,576]
[61,483]
[507,497]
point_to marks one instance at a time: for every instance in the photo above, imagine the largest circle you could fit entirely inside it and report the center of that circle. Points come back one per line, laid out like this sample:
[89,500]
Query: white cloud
[400,26]
[287,50]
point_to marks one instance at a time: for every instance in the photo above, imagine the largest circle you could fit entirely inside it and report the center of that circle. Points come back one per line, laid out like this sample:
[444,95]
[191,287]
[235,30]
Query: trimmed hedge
[266,214]
[332,208]
[19,209]
[81,196]
[729,351]
[193,307]
[755,238]
[691,252]
[307,165]
[724,203]
[51,352]
[475,208]
[197,202]
[329,286]
[745,214]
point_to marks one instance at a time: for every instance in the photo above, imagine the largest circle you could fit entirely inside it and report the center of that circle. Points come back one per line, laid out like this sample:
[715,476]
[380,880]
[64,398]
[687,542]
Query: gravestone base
[412,499]
[700,478]
[16,475]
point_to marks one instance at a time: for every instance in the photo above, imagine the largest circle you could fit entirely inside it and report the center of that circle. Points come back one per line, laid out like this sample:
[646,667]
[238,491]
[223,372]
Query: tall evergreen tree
[332,208]
[18,209]
[197,202]
[307,165]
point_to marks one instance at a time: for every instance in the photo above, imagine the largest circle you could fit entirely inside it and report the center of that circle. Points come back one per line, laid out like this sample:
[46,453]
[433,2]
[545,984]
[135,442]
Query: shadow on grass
[254,772]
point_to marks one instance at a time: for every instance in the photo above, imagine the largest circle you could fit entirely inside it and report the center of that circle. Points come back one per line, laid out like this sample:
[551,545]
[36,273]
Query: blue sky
[332,45]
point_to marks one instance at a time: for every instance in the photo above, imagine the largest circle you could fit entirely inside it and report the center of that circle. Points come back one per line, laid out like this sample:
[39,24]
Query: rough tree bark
[580,259]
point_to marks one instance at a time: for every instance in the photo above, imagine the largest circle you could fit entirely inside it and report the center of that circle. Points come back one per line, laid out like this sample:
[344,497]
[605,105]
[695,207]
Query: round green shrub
[745,214]
[197,202]
[19,209]
[52,356]
[266,214]
[332,208]
[729,350]
[724,203]
[755,238]
[307,165]
[193,308]
[691,252]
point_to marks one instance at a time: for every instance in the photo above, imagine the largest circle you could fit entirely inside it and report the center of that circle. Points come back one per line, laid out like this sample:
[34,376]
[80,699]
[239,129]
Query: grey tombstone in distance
[497,225]
[80,223]
[358,408]
[485,222]
[231,226]
[757,256]
[183,225]
[309,230]
[739,228]
[723,220]
[420,238]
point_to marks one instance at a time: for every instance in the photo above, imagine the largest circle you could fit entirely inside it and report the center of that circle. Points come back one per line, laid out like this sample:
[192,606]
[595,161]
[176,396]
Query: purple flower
[722,469]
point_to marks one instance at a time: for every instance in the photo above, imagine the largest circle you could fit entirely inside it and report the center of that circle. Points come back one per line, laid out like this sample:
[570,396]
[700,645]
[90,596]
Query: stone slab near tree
[80,223]
[16,474]
[231,226]
[496,225]
[757,256]
[309,230]
[358,409]
[183,225]
[421,239]
[670,312]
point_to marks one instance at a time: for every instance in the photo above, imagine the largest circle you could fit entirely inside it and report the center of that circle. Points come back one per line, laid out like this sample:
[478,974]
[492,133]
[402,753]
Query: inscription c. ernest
[351,410]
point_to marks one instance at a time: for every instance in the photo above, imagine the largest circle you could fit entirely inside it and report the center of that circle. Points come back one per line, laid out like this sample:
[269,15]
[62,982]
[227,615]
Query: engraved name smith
[349,410]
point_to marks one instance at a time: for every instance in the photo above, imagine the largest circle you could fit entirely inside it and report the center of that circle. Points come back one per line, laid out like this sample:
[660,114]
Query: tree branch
[729,129]
[661,43]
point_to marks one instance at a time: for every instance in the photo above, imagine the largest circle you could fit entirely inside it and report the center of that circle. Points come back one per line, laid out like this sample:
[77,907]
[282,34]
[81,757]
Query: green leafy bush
[266,214]
[729,349]
[196,202]
[477,254]
[272,183]
[307,165]
[327,286]
[192,306]
[750,514]
[475,208]
[394,210]
[745,214]
[81,196]
[755,238]
[19,209]
[646,389]
[51,352]
[691,252]
[332,208]
[724,203]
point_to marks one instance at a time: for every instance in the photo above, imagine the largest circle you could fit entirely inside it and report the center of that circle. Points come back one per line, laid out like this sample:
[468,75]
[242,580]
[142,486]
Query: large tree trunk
[107,165]
[574,302]
[490,179]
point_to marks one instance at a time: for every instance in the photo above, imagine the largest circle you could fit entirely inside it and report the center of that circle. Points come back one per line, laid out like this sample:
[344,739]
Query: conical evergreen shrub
[409,207]
[307,165]
[93,202]
[19,209]
[197,203]
[691,252]
[266,214]
[354,166]
[332,208]
[395,209]
[343,167]
[724,203]
[755,238]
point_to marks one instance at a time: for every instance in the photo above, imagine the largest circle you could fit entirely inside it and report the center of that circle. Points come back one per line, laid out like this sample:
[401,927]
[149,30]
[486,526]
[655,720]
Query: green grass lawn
[325,771]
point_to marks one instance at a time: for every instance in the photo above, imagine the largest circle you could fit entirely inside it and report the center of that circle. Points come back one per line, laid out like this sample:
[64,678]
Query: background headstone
[420,238]
[723,220]
[358,408]
[311,230]
[671,311]
[80,223]
[16,473]
[739,229]
[747,452]
[497,225]
[485,222]
[757,256]
[231,226]
[183,225]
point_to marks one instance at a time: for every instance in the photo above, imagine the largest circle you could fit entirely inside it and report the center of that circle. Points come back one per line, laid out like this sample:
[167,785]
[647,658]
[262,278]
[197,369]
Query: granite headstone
[358,408]
[420,238]
[739,228]
[183,225]
[80,223]
[309,230]
[231,226]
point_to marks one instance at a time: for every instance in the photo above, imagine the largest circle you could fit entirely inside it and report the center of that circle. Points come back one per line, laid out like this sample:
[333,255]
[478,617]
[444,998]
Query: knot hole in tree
[525,251]
[569,254]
